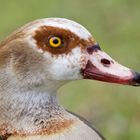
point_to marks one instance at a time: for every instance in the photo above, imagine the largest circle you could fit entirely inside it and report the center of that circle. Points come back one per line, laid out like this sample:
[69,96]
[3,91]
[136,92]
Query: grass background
[114,109]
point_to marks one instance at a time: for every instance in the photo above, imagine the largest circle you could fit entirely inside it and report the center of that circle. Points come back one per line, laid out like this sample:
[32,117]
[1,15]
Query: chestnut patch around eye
[69,40]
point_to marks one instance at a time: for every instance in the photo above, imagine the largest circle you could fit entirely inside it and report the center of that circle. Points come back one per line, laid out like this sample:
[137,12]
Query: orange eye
[55,42]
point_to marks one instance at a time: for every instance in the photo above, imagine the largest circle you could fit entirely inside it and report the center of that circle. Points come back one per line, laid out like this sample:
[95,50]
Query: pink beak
[102,67]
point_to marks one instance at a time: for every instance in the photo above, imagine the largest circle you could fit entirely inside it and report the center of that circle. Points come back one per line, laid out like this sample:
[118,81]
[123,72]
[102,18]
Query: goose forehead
[62,23]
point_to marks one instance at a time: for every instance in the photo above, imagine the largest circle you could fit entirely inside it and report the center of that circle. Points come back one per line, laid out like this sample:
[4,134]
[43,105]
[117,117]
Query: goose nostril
[105,62]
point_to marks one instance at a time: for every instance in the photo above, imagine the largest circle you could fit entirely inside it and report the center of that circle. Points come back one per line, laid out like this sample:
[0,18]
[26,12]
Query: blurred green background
[114,109]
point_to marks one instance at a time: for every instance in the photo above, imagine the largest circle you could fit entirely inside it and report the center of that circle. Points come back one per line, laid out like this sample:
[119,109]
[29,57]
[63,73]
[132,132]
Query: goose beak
[102,67]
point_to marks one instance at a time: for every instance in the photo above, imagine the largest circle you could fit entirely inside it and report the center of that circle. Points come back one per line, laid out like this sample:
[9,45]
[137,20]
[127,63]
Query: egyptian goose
[38,59]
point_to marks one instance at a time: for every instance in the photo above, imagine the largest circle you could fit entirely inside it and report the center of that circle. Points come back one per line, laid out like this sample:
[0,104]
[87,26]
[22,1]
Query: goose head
[60,50]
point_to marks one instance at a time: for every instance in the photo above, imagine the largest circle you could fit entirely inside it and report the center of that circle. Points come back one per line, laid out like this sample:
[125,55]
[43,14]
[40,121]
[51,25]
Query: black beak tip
[136,79]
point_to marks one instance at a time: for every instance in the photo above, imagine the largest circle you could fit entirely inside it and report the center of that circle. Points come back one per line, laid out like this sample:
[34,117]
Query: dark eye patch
[69,40]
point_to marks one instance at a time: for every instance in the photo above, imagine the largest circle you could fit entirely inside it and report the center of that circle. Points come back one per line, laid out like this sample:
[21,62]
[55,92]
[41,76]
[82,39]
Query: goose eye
[55,42]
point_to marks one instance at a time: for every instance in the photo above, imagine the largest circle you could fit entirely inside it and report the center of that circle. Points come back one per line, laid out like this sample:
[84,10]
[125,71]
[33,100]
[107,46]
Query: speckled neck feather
[32,112]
